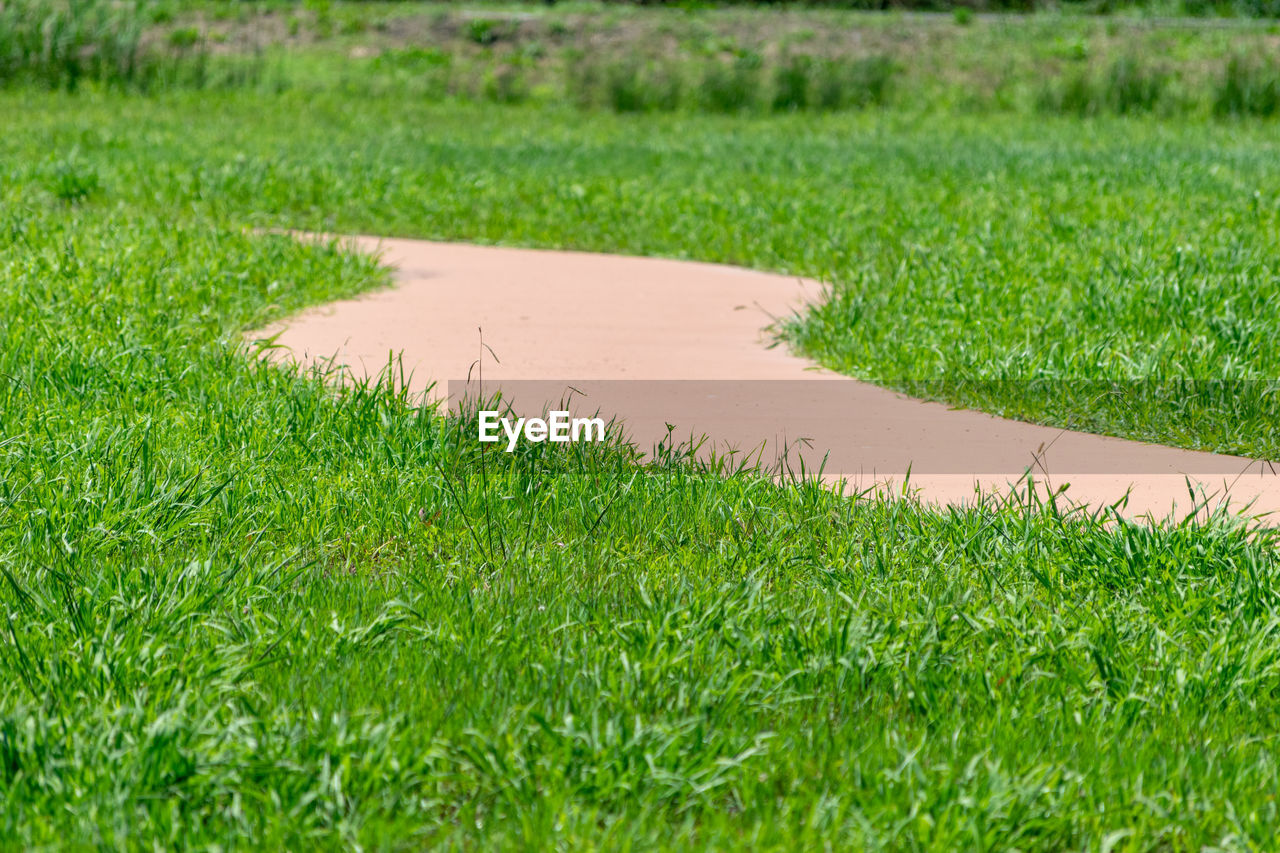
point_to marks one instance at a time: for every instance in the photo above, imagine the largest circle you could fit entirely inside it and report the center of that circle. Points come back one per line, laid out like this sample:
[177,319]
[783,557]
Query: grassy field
[243,608]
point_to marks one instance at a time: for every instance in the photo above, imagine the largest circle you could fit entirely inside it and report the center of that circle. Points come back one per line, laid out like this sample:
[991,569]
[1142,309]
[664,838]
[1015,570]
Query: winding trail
[660,342]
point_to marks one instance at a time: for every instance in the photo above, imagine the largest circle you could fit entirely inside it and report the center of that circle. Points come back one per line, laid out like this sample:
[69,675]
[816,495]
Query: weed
[184,37]
[631,85]
[1247,88]
[665,86]
[73,181]
[322,16]
[1127,87]
[354,22]
[583,79]
[483,31]
[844,83]
[507,84]
[791,82]
[735,86]
[61,45]
[624,90]
[1131,87]
[532,51]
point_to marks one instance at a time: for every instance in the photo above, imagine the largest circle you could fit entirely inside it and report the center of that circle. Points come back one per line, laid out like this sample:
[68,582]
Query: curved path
[629,334]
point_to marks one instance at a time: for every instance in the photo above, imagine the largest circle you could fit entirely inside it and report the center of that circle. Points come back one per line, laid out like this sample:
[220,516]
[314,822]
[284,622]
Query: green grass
[244,608]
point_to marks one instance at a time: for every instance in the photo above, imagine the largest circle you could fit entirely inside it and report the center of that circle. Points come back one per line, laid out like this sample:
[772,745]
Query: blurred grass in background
[635,59]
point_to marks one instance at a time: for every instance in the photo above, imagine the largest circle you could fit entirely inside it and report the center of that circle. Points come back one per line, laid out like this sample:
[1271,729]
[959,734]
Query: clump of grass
[486,32]
[583,79]
[413,60]
[1073,94]
[1247,88]
[665,86]
[184,37]
[731,87]
[61,44]
[1252,8]
[73,181]
[322,16]
[1128,87]
[626,85]
[792,82]
[507,84]
[427,71]
[1132,88]
[844,83]
[625,91]
[737,85]
[634,86]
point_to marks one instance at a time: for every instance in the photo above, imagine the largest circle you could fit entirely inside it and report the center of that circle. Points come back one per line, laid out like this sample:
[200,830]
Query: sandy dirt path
[659,342]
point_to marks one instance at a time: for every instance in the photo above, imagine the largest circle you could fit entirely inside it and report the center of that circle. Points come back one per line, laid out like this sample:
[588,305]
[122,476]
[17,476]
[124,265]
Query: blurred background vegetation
[1073,58]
